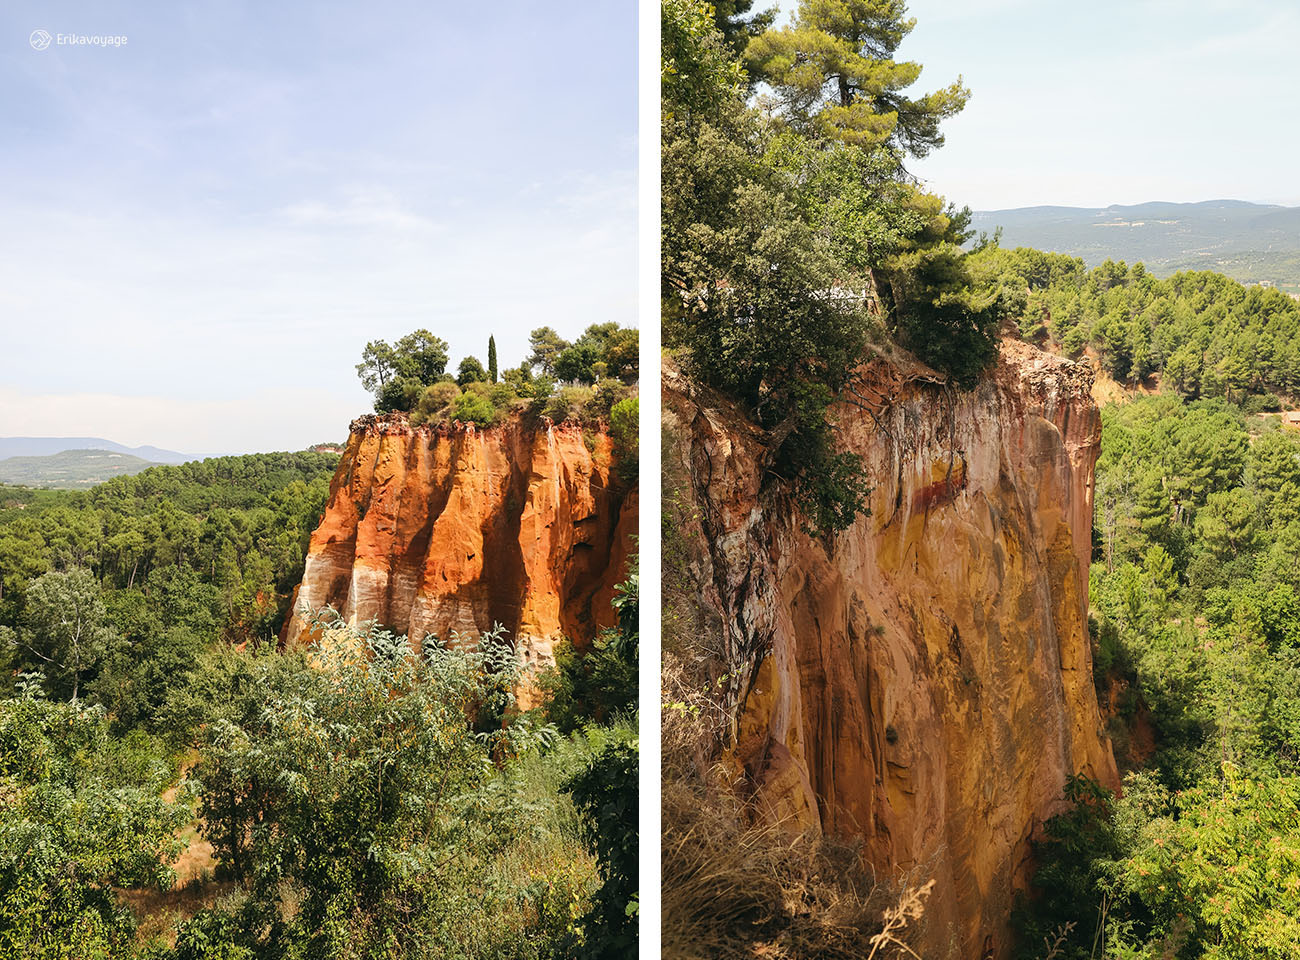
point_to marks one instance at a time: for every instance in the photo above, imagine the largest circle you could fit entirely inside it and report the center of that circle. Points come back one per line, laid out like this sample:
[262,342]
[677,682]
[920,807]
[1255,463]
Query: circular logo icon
[39,39]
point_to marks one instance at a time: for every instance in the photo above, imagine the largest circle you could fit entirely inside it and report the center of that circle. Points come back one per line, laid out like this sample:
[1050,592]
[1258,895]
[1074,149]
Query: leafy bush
[471,407]
[435,402]
[74,823]
[944,314]
[624,427]
[1262,403]
[604,394]
[567,403]
[367,785]
[599,684]
[606,793]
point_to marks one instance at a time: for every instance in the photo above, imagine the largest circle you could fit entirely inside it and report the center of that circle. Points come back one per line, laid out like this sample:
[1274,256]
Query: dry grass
[738,885]
[160,912]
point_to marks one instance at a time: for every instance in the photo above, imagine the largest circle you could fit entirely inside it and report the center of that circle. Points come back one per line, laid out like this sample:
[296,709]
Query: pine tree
[492,359]
[835,72]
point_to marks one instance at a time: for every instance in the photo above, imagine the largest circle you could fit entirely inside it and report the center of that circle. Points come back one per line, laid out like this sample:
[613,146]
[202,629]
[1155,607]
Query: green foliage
[780,230]
[363,799]
[599,684]
[606,793]
[699,71]
[1205,334]
[470,371]
[113,591]
[410,376]
[397,373]
[471,407]
[367,784]
[729,17]
[1209,872]
[567,403]
[603,349]
[835,74]
[624,430]
[1195,605]
[79,815]
[547,345]
[65,632]
[1067,874]
[1217,870]
[435,403]
[942,312]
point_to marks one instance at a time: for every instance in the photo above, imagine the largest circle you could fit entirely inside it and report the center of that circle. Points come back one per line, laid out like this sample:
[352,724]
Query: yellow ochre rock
[922,680]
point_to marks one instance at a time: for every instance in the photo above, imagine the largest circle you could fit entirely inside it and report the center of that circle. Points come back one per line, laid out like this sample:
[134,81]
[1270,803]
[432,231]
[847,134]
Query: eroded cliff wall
[435,529]
[924,679]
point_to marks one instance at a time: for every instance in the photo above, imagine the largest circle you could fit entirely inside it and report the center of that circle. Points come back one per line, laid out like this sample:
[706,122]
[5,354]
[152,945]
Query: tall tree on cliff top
[422,356]
[547,346]
[492,359]
[729,16]
[378,365]
[835,74]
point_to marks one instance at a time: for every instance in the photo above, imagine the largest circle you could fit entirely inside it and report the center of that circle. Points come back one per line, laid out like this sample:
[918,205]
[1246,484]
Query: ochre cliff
[431,530]
[923,680]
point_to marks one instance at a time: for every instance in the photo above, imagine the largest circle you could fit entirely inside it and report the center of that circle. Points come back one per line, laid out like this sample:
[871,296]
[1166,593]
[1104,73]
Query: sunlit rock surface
[922,680]
[431,530]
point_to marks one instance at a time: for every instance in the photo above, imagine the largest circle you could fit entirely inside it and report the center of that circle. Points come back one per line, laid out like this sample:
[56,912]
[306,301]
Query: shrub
[402,393]
[624,421]
[377,786]
[604,395]
[502,395]
[567,403]
[542,387]
[1262,403]
[75,821]
[605,792]
[472,407]
[946,314]
[599,684]
[435,402]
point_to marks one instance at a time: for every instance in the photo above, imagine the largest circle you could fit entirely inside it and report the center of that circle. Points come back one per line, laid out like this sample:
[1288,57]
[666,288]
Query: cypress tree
[492,359]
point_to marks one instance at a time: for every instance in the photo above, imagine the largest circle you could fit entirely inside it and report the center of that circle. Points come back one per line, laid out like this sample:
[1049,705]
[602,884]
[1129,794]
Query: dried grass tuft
[738,885]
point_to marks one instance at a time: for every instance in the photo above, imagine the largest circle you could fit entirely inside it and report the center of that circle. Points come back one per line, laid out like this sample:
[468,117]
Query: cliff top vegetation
[581,380]
[793,233]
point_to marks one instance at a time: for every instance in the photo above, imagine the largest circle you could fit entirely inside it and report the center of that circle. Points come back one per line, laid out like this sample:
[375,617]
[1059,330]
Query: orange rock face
[922,680]
[431,530]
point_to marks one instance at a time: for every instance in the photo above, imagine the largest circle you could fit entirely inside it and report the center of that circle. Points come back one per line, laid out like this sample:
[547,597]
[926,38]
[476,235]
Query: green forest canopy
[1204,334]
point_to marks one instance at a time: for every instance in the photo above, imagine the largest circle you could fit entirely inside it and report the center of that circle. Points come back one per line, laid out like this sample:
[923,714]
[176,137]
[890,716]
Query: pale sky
[202,228]
[1112,101]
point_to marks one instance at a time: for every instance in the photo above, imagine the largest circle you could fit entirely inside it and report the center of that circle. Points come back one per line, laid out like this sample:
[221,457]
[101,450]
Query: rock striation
[923,680]
[431,530]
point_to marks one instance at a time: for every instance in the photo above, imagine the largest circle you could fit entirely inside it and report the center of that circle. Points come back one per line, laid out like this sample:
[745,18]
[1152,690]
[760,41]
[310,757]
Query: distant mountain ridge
[1250,242]
[71,469]
[47,446]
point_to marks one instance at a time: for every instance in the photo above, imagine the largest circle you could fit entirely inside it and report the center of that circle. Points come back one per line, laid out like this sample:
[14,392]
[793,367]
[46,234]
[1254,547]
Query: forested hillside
[1249,242]
[1202,333]
[1195,609]
[70,469]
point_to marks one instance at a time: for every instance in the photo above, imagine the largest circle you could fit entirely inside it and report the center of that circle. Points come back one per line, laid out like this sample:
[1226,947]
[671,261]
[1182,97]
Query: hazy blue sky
[202,228]
[1113,101]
